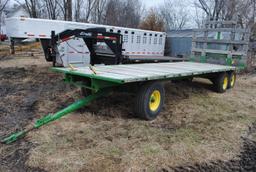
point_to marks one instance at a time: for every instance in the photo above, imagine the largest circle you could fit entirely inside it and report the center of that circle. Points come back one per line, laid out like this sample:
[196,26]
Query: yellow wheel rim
[225,83]
[232,81]
[155,100]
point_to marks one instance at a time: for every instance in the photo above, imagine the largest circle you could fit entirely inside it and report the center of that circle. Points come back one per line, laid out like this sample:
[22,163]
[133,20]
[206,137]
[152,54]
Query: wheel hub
[225,83]
[155,100]
[232,80]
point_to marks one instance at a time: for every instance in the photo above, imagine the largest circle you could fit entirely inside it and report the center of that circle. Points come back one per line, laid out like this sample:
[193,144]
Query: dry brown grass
[194,127]
[26,49]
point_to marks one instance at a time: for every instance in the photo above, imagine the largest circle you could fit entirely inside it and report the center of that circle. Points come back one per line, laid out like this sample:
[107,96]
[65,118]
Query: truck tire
[221,82]
[231,79]
[149,100]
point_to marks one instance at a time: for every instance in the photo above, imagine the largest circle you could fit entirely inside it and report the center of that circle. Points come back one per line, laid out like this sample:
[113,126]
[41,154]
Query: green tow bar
[52,117]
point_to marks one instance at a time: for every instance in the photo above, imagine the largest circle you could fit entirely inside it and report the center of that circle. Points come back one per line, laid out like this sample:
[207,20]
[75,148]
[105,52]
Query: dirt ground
[198,130]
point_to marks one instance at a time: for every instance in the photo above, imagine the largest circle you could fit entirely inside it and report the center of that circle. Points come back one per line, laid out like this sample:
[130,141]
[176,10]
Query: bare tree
[35,8]
[52,8]
[78,10]
[123,13]
[175,15]
[90,4]
[89,10]
[3,4]
[98,10]
[66,9]
[132,13]
[84,10]
[241,11]
[152,21]
[246,13]
[69,10]
[212,8]
[199,18]
[31,6]
[112,10]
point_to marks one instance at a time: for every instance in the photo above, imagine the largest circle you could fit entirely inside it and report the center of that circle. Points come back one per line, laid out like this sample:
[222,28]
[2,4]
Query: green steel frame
[100,86]
[94,84]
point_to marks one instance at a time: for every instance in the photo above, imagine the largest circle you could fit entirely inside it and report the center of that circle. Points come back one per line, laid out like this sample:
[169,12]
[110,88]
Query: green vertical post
[218,35]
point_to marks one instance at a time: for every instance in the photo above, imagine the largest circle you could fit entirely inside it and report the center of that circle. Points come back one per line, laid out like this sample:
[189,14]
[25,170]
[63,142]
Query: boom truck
[99,65]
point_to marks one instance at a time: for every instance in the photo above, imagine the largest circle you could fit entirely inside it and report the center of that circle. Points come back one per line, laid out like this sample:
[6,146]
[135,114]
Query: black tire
[145,102]
[186,80]
[212,79]
[231,79]
[221,82]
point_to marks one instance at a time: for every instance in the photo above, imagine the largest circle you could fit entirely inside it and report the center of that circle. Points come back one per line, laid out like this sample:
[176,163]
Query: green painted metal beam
[52,117]
[94,84]
[92,76]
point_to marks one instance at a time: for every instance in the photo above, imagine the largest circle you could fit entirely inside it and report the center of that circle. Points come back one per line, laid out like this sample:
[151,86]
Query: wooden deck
[142,72]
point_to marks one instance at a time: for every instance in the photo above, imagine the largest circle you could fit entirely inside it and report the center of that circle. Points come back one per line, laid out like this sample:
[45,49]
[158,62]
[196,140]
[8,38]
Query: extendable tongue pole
[52,117]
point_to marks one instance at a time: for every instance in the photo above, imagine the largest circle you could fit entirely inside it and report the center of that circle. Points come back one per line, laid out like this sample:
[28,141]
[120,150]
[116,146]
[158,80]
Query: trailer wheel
[149,100]
[221,82]
[231,79]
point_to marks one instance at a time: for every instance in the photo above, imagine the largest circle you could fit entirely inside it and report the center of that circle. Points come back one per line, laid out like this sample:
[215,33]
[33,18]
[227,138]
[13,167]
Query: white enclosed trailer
[136,43]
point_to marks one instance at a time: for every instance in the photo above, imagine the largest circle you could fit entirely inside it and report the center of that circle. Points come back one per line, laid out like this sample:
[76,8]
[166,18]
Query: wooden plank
[191,66]
[136,69]
[196,69]
[85,70]
[156,67]
[160,68]
[175,67]
[128,74]
[143,72]
[203,68]
[164,68]
[206,65]
[133,75]
[156,74]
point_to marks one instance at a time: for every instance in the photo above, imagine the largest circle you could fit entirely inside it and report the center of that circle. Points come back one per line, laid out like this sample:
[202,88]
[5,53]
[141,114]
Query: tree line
[172,14]
[126,13]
